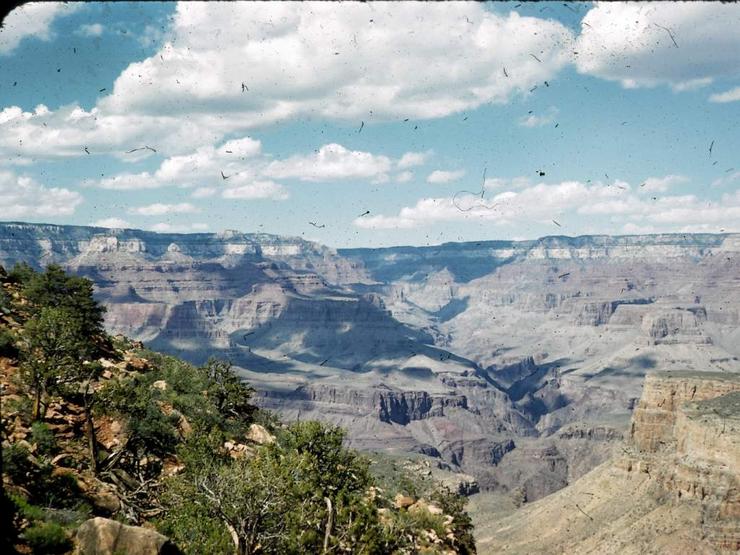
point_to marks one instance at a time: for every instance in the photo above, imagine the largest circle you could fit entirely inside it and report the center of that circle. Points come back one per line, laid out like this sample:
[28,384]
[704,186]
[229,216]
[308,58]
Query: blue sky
[372,124]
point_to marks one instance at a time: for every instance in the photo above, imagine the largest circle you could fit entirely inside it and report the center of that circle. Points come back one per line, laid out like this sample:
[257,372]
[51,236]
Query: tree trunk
[239,543]
[92,444]
[37,405]
[329,522]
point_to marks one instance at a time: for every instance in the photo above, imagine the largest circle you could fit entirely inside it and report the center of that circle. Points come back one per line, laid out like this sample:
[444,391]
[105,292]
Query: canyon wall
[517,362]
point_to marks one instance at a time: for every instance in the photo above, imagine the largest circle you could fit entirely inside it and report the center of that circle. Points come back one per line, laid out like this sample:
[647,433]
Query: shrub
[44,438]
[47,537]
[16,464]
[54,288]
[25,509]
[21,273]
[7,344]
[5,301]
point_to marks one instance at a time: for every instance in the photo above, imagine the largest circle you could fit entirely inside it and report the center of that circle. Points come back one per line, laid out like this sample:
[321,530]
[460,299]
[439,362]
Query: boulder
[160,384]
[403,501]
[422,506]
[105,501]
[259,435]
[101,536]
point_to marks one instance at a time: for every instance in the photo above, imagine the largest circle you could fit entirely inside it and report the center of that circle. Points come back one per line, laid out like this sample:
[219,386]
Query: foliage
[289,497]
[21,273]
[16,464]
[462,525]
[54,351]
[229,395]
[44,439]
[47,537]
[54,288]
[304,493]
[7,344]
[150,431]
[5,301]
[25,509]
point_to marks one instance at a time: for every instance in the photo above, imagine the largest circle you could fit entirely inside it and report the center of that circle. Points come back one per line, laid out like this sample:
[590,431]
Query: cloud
[115,223]
[31,20]
[165,227]
[733,95]
[616,205]
[731,177]
[231,170]
[22,197]
[150,35]
[159,209]
[520,182]
[440,176]
[533,120]
[662,184]
[67,131]
[297,60]
[337,63]
[90,30]
[412,159]
[127,182]
[682,44]
[263,189]
[204,192]
[332,161]
[404,177]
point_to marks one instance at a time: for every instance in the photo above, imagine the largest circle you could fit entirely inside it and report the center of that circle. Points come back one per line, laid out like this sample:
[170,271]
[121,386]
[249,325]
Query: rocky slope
[123,432]
[517,362]
[674,487]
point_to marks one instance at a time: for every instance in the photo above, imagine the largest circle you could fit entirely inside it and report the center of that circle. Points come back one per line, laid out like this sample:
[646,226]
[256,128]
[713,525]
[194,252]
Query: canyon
[520,363]
[674,487]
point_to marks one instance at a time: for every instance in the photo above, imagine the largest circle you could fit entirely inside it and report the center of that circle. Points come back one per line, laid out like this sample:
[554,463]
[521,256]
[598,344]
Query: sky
[373,124]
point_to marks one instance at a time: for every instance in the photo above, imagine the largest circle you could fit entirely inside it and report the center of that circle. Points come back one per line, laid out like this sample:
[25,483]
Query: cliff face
[674,487]
[686,431]
[654,423]
[43,244]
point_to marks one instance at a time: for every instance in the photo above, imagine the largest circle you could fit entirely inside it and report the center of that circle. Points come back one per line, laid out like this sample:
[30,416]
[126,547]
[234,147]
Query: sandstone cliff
[674,487]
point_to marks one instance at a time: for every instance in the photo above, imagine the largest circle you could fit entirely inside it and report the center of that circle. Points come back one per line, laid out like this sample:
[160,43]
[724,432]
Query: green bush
[16,464]
[43,437]
[47,537]
[5,301]
[7,344]
[21,273]
[54,288]
[25,509]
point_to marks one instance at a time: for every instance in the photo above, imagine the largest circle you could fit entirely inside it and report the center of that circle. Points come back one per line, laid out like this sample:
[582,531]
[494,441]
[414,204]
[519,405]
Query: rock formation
[517,362]
[673,488]
[101,536]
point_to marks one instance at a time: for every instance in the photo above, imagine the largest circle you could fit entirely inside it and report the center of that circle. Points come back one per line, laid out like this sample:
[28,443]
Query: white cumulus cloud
[159,209]
[442,176]
[261,63]
[412,159]
[114,223]
[22,196]
[642,44]
[332,161]
[90,30]
[33,19]
[536,120]
[662,184]
[404,177]
[165,227]
[733,95]
[617,205]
